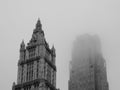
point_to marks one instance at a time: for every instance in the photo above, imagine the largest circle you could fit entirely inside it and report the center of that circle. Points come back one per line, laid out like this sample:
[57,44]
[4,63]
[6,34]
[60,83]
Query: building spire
[53,50]
[38,24]
[22,46]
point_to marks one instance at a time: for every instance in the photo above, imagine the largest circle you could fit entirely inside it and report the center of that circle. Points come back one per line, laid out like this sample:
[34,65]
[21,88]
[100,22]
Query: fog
[86,51]
[62,22]
[86,45]
[88,64]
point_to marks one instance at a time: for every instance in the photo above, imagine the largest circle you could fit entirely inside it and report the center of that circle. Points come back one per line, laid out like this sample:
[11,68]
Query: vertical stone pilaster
[25,73]
[28,72]
[42,51]
[35,70]
[37,51]
[41,68]
[54,78]
[46,70]
[19,74]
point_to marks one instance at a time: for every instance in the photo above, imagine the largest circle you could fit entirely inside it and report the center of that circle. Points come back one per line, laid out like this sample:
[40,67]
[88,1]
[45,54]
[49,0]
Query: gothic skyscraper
[36,65]
[87,67]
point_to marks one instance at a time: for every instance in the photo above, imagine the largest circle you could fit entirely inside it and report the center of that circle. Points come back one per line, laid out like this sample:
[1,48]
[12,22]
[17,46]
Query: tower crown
[38,24]
[38,27]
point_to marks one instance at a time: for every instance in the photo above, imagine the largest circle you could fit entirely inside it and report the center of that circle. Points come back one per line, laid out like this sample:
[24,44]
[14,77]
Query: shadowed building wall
[87,67]
[36,65]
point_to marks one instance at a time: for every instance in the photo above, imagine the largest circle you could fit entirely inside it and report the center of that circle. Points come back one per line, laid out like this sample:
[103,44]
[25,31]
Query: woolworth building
[36,65]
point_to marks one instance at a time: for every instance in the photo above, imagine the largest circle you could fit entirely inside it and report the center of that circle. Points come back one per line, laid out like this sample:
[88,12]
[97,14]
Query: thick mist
[62,22]
[88,67]
[85,47]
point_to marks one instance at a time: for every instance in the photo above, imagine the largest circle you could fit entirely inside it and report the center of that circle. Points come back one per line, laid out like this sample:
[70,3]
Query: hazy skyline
[88,66]
[62,22]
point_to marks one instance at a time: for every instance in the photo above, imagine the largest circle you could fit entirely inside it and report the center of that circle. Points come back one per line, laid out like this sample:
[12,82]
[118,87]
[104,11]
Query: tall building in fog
[36,65]
[87,67]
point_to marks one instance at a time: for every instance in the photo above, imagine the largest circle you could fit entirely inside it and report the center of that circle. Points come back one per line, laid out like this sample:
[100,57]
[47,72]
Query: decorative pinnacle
[38,25]
[53,50]
[22,45]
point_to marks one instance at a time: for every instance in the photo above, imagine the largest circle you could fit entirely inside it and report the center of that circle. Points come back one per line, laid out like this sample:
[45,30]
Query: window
[32,53]
[29,71]
[48,73]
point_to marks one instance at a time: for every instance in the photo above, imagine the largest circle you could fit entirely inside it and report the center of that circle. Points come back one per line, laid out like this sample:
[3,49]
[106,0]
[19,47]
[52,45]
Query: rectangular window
[31,52]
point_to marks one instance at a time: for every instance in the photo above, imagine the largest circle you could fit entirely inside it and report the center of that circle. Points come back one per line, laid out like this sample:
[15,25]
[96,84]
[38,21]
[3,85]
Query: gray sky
[63,21]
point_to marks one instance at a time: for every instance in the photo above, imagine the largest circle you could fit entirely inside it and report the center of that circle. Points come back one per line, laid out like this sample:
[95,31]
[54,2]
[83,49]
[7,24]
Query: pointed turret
[38,27]
[53,51]
[38,34]
[22,51]
[22,46]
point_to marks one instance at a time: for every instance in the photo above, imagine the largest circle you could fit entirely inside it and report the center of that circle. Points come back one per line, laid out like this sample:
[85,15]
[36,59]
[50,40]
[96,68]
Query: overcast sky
[63,21]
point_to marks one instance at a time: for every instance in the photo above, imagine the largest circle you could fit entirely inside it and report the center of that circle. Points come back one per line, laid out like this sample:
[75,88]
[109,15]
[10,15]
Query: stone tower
[87,67]
[36,65]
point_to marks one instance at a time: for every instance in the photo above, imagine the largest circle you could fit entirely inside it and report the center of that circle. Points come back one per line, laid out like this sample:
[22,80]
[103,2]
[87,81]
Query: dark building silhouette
[36,65]
[87,67]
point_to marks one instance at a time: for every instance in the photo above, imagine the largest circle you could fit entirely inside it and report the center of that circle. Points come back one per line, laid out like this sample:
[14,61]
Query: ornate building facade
[87,67]
[36,65]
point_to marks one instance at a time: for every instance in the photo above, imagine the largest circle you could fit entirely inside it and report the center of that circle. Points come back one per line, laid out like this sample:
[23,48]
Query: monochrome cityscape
[59,44]
[37,64]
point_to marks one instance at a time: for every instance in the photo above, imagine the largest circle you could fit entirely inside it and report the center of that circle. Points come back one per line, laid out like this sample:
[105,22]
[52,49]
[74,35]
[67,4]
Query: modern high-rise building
[36,65]
[87,67]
